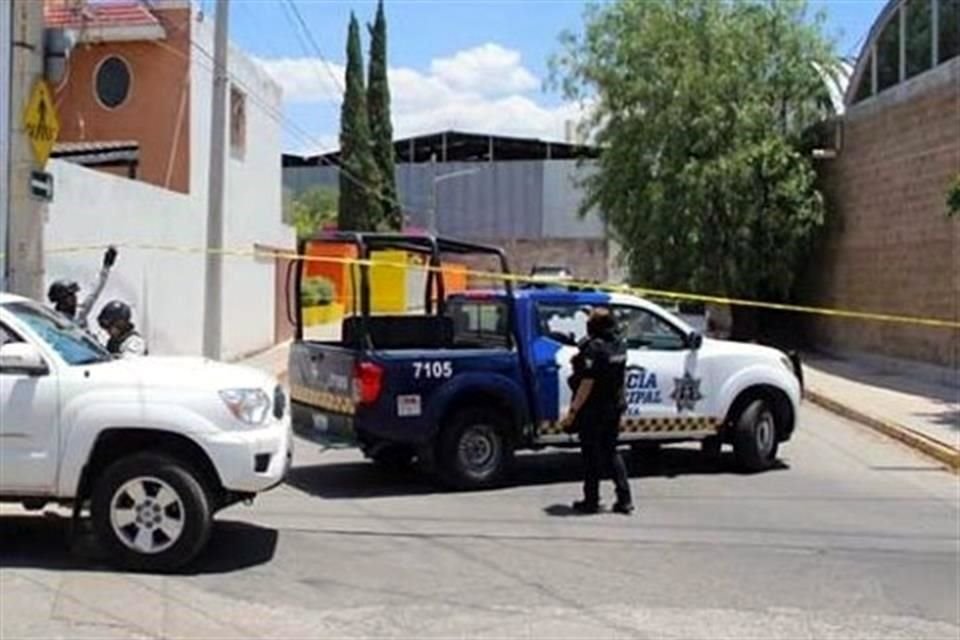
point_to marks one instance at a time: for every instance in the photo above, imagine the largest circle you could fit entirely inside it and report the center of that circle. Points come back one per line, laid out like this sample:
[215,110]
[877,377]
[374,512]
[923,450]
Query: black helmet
[112,313]
[61,289]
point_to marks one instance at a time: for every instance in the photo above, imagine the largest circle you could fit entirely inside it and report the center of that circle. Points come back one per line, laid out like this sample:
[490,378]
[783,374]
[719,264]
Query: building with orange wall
[127,85]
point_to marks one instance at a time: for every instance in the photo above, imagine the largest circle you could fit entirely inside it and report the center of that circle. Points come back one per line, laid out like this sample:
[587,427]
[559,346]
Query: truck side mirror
[22,358]
[694,340]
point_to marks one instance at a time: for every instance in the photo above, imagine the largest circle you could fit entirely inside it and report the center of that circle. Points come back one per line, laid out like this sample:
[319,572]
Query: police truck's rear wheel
[475,451]
[151,513]
[755,437]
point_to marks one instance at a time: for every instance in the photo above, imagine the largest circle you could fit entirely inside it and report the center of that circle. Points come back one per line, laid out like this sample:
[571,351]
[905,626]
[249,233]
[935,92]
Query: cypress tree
[381,129]
[359,204]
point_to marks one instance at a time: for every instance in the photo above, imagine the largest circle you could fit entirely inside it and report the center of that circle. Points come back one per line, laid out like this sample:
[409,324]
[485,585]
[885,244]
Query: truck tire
[755,437]
[151,513]
[475,450]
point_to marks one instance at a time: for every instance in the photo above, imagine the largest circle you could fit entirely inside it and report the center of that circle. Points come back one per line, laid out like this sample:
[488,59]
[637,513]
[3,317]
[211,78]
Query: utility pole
[25,217]
[6,47]
[213,294]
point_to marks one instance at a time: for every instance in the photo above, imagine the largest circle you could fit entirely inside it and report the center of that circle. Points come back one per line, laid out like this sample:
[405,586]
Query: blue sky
[467,64]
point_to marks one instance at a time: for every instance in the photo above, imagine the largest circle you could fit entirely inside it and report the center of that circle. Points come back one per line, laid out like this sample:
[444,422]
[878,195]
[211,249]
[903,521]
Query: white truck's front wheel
[755,440]
[151,513]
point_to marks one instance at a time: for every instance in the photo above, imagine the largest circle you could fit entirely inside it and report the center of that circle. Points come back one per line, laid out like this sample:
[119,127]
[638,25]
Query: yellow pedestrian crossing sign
[41,122]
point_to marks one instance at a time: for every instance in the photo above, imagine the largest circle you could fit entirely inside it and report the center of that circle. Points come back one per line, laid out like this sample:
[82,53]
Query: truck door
[665,389]
[560,326]
[665,385]
[29,442]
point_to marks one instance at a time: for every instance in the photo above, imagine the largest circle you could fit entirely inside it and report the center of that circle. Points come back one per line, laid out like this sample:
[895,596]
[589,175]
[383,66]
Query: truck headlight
[248,405]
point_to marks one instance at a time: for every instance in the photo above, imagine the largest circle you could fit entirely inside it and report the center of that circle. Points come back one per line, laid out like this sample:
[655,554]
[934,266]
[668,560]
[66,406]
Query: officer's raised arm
[83,311]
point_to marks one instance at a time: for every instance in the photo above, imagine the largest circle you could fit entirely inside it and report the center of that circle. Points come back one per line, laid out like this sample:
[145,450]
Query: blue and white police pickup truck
[478,375]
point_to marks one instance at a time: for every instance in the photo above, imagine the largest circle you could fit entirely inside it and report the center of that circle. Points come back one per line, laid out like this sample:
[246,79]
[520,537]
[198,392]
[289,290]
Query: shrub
[316,292]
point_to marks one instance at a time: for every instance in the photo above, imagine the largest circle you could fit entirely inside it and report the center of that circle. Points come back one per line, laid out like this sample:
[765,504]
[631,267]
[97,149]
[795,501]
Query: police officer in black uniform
[598,403]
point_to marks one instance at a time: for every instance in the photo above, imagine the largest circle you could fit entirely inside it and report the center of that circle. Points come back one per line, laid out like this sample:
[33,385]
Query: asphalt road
[854,537]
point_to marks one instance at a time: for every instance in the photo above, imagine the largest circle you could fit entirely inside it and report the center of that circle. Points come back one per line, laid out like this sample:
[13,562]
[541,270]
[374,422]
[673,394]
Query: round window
[113,82]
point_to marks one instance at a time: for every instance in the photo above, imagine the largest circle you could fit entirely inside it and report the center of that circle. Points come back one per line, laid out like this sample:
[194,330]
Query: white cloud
[488,69]
[484,89]
[511,115]
[305,79]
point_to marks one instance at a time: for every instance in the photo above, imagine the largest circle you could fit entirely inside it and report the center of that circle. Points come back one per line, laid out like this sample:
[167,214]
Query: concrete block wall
[889,246]
[587,258]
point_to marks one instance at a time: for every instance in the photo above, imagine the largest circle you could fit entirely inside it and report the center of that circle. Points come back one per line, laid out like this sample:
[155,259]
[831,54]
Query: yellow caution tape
[519,279]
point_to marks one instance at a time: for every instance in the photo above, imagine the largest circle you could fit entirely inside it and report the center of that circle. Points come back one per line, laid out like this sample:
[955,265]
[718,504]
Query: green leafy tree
[702,109]
[314,209]
[359,178]
[381,129]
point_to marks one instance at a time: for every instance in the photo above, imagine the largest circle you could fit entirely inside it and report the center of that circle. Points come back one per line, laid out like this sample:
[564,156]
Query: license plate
[321,423]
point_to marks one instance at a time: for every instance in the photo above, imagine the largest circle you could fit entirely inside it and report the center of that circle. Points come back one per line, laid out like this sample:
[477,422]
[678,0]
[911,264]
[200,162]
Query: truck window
[480,323]
[566,323]
[642,329]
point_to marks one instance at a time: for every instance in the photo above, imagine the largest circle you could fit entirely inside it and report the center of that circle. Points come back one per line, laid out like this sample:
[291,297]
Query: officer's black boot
[624,506]
[586,506]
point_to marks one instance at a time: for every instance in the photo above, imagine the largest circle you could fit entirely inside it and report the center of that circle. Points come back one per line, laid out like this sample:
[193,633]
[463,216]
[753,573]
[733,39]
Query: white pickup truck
[153,446]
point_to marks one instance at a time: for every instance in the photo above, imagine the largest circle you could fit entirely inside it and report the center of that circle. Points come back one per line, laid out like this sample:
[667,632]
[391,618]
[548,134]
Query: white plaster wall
[253,209]
[164,290]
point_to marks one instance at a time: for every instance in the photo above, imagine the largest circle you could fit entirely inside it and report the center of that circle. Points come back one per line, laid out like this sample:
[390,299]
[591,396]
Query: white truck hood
[196,374]
[714,347]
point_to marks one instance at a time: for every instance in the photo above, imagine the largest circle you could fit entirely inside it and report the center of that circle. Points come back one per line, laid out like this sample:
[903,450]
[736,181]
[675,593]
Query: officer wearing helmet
[115,318]
[599,369]
[63,293]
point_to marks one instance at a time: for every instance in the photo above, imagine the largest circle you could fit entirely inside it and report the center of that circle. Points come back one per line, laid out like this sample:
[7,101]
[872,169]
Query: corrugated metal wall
[518,199]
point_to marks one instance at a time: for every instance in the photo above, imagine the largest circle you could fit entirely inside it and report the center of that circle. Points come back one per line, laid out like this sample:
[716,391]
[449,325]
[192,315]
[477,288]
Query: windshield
[70,342]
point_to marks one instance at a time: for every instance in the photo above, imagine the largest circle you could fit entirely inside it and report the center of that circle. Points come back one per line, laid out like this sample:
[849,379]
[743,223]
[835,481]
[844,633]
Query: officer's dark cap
[61,289]
[601,322]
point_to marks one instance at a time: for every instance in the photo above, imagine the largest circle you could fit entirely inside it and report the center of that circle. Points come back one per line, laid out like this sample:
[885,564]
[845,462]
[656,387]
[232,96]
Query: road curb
[937,450]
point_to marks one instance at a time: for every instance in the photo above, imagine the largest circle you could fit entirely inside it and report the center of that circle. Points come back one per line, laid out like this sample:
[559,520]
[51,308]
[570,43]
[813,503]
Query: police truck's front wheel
[475,451]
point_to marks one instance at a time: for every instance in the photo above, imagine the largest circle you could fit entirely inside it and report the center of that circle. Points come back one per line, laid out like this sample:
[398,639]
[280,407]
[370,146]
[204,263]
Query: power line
[293,13]
[277,116]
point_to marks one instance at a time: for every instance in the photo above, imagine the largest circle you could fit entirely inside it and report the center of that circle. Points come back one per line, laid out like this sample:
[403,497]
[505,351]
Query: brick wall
[889,246]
